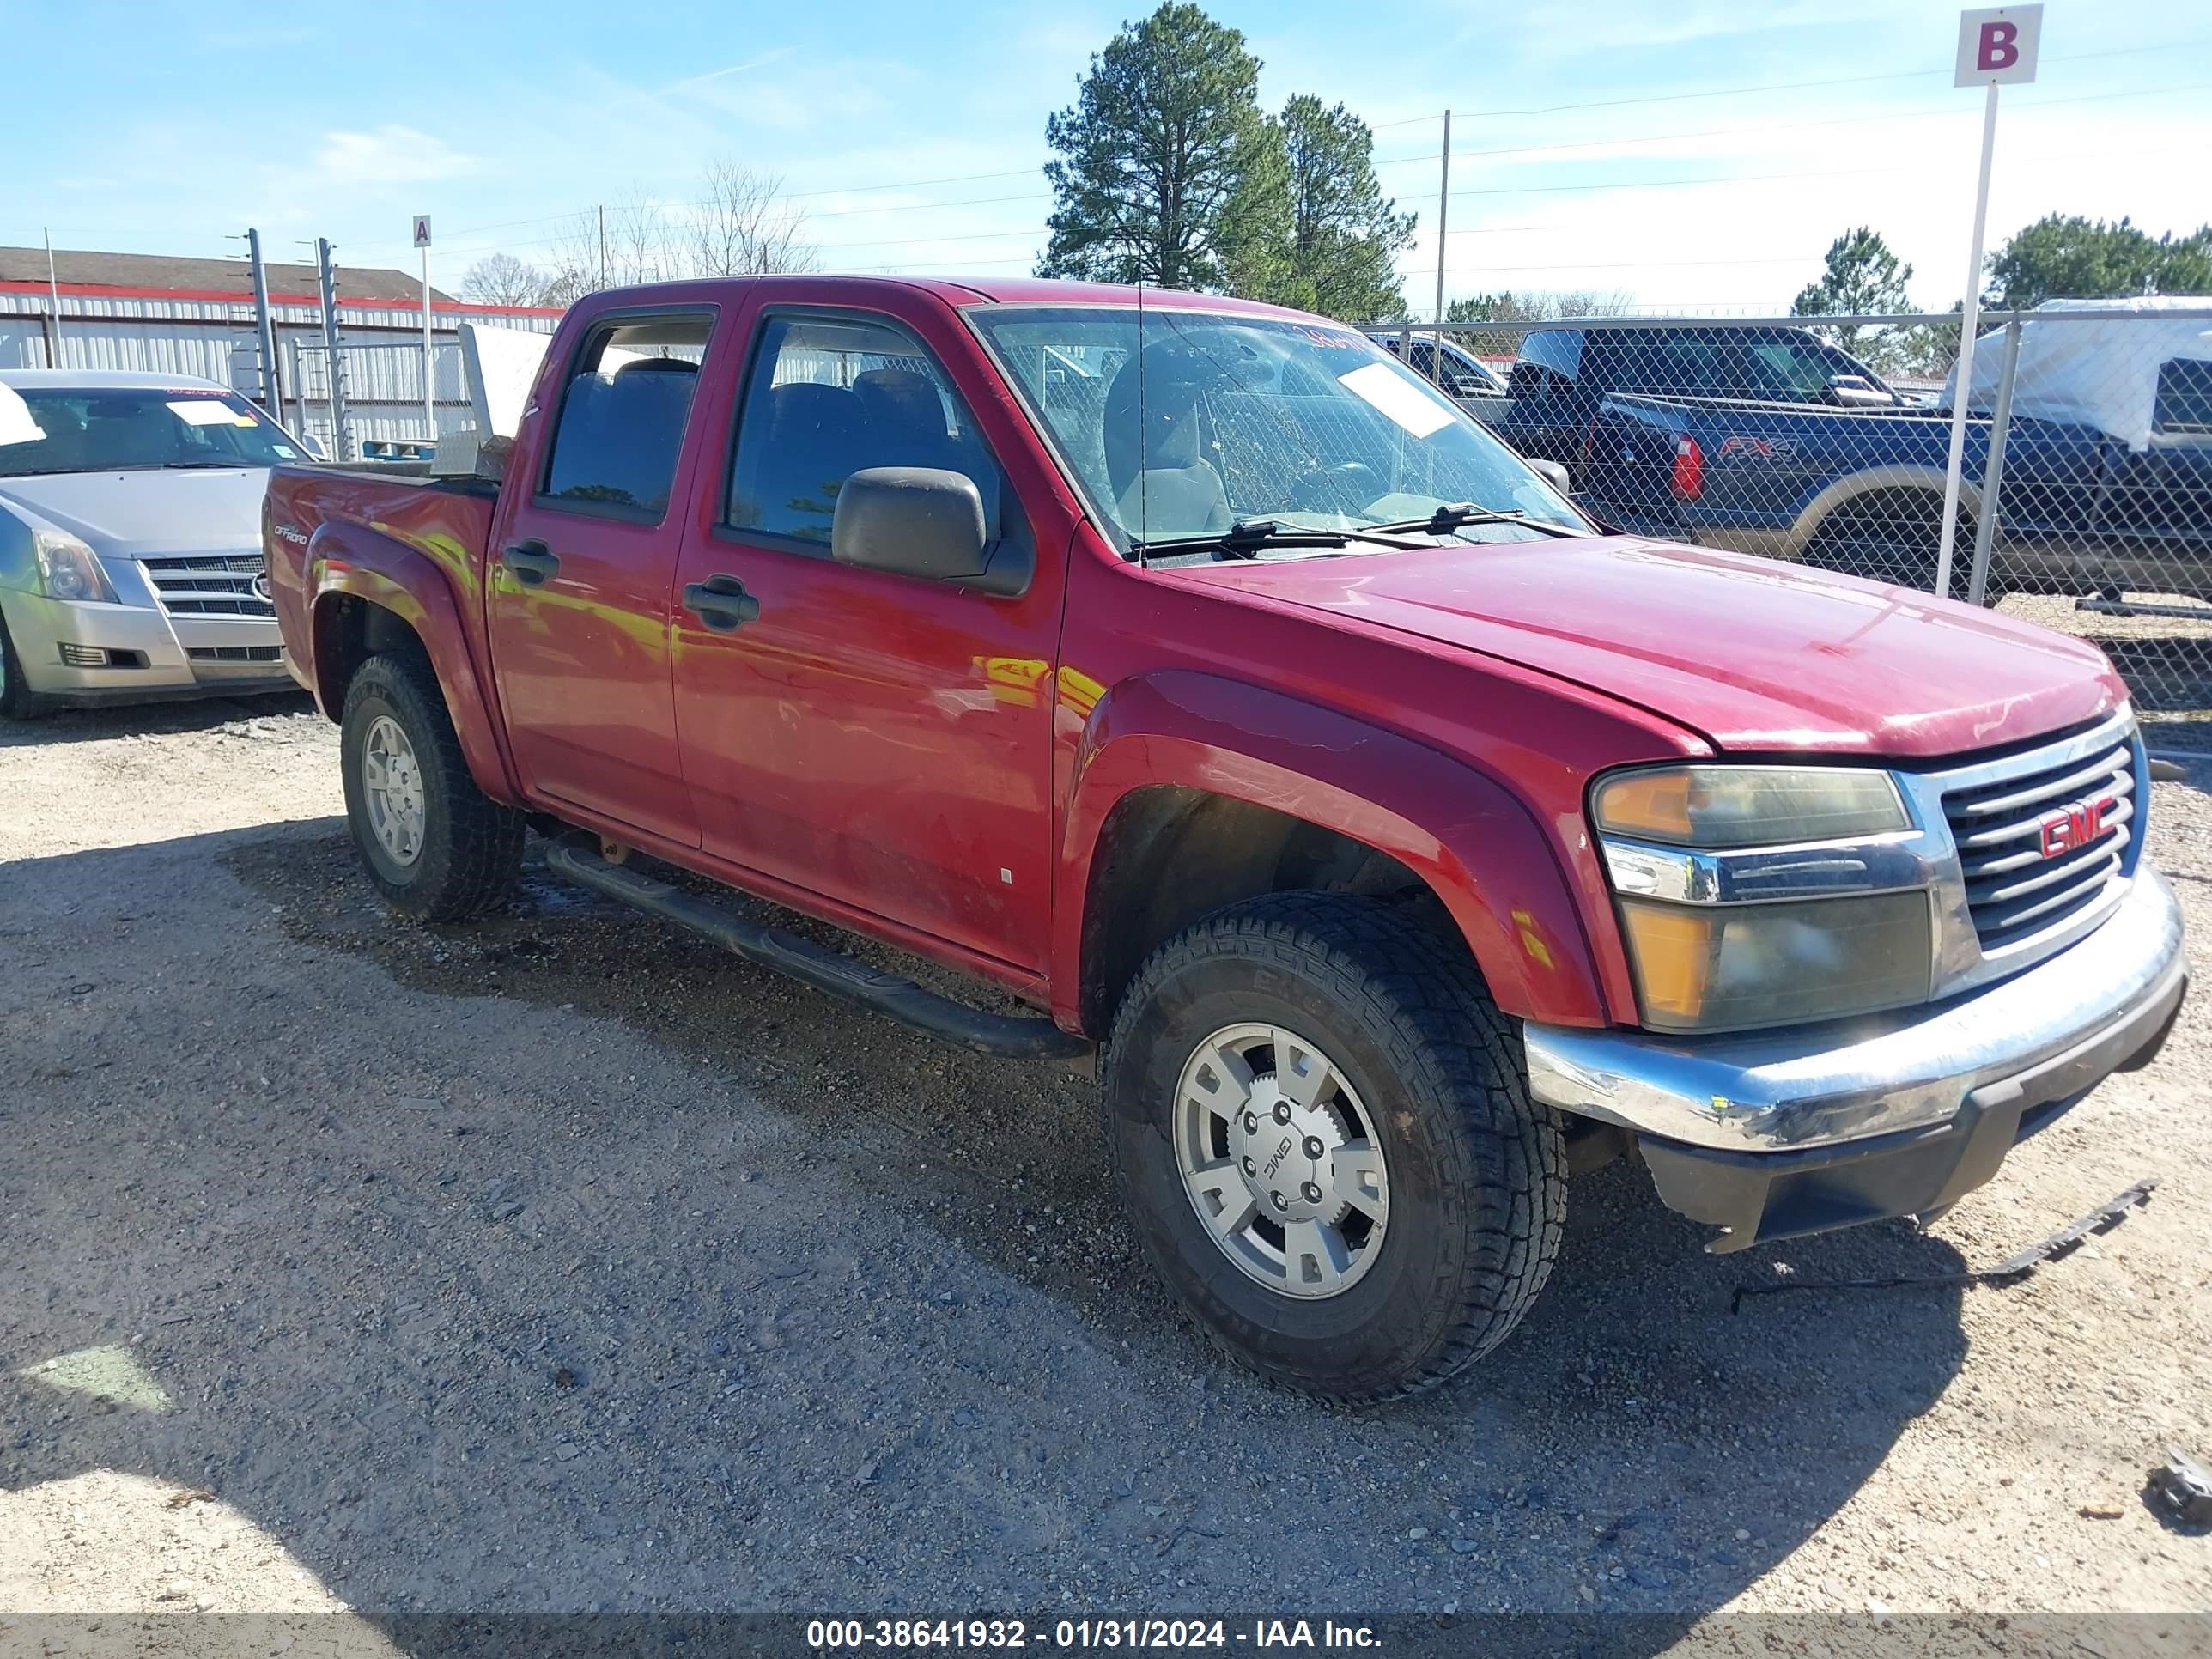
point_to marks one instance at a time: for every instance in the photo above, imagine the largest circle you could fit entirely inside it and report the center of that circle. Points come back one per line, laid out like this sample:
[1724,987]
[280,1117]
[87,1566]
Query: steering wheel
[1330,488]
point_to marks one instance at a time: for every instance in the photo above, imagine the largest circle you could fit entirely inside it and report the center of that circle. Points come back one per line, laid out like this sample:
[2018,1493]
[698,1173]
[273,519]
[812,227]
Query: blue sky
[911,136]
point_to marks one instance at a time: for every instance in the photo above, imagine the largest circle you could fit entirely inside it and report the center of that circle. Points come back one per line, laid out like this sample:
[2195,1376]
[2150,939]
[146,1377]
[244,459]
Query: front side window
[2185,396]
[138,428]
[1182,422]
[827,397]
[623,413]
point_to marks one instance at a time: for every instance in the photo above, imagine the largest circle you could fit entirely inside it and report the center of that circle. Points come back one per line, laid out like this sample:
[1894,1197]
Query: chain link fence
[2084,501]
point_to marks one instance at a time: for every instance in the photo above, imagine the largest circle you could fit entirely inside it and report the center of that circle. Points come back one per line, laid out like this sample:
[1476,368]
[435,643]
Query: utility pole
[1443,215]
[327,273]
[54,293]
[265,329]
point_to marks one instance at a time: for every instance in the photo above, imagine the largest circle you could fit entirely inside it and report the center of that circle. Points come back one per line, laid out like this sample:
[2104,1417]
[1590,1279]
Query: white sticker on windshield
[284,451]
[17,424]
[1405,404]
[203,411]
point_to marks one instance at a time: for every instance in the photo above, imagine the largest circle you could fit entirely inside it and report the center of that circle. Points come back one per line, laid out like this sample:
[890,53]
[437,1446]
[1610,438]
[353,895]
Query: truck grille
[209,584]
[2014,889]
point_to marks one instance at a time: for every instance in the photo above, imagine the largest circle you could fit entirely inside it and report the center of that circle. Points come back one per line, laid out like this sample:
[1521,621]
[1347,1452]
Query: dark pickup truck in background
[2083,509]
[1563,375]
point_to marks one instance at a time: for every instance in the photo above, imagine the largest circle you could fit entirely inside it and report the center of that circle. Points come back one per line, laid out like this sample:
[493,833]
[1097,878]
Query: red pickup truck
[1398,838]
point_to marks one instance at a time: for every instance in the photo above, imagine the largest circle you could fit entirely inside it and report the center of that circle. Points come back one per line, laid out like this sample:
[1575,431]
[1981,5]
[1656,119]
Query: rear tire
[1897,538]
[1464,1175]
[434,844]
[17,701]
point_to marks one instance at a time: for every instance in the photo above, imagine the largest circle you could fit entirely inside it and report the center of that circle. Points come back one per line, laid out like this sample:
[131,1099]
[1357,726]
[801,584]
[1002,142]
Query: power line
[1925,113]
[1758,178]
[918,184]
[2169,47]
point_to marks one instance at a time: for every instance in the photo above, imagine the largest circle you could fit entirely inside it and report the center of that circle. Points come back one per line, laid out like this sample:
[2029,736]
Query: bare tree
[501,279]
[742,226]
[644,243]
[575,263]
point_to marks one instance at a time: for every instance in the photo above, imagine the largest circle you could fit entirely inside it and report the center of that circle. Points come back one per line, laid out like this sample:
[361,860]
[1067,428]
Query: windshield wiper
[1247,537]
[1457,515]
[203,461]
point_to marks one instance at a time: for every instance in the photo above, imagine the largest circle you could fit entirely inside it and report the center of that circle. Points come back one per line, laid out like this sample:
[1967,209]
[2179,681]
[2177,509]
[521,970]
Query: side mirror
[1552,473]
[315,447]
[914,521]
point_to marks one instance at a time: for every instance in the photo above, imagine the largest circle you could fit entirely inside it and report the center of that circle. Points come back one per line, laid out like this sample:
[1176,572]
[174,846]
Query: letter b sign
[1996,47]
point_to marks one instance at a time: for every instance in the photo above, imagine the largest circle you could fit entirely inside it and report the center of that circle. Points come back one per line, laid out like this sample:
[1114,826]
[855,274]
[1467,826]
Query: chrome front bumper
[1777,1134]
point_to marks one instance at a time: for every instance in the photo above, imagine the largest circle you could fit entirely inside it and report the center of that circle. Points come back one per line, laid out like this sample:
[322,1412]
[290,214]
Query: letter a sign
[1996,47]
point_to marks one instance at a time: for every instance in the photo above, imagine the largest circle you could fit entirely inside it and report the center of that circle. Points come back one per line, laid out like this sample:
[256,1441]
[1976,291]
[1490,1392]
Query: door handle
[531,563]
[721,603]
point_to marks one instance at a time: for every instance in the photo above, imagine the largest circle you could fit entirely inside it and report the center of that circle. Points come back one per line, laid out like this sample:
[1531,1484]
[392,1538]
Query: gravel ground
[561,1262]
[2166,659]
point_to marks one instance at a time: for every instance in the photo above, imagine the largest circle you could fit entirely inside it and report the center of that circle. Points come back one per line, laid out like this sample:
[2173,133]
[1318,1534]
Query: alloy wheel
[1280,1160]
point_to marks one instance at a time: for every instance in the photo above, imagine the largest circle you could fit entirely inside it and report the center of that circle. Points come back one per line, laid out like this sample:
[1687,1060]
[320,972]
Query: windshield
[136,428]
[1226,419]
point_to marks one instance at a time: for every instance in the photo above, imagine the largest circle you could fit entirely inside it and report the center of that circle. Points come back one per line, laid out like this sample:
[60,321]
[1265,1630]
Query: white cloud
[391,154]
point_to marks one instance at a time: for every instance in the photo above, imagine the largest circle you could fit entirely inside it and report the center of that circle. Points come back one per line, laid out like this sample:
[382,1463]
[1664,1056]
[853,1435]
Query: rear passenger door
[581,577]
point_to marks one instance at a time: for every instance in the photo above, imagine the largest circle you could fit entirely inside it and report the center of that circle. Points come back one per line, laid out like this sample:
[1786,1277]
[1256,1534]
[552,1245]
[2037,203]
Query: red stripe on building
[218,296]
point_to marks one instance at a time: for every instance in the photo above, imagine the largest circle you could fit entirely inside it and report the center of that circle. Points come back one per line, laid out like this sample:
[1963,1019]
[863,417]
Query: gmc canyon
[1395,839]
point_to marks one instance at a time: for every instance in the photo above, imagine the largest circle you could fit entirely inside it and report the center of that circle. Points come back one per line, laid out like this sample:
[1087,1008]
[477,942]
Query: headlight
[1718,874]
[1719,806]
[1719,967]
[67,569]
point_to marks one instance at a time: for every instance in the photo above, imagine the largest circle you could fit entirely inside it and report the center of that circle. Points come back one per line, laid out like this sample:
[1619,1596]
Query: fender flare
[1470,838]
[346,560]
[1849,488]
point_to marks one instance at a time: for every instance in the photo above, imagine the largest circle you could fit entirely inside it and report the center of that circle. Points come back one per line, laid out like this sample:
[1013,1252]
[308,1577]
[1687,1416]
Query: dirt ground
[560,1263]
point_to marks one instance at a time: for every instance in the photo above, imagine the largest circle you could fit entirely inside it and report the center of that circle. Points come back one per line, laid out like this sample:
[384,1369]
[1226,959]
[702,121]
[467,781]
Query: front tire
[434,844]
[17,701]
[1322,1125]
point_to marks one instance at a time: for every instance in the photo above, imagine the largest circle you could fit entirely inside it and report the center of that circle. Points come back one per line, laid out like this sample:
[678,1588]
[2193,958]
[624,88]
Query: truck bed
[446,521]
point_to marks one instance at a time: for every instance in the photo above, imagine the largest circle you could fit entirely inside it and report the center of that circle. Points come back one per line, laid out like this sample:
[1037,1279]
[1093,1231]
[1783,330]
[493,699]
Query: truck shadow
[423,1421]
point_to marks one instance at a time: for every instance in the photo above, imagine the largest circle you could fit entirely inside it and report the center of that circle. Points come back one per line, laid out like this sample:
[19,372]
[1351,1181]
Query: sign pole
[1955,469]
[1997,46]
[429,374]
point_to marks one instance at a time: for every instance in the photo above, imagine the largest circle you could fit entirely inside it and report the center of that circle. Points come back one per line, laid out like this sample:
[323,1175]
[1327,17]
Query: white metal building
[142,311]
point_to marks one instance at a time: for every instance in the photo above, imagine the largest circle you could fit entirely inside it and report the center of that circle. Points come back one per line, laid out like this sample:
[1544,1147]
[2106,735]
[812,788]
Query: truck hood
[1755,655]
[141,513]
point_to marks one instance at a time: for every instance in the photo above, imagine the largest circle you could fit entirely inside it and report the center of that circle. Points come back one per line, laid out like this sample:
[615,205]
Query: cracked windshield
[1222,423]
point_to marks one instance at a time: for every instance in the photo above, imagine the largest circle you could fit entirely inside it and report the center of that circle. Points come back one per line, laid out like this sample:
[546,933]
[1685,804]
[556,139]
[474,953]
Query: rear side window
[827,397]
[622,414]
[1681,365]
[1787,370]
[1558,350]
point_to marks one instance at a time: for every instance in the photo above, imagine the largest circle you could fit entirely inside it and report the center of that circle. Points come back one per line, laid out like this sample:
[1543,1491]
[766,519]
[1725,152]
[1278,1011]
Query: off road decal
[1762,448]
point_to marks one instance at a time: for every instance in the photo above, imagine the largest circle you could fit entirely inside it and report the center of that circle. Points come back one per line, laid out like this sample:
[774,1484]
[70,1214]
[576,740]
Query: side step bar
[1010,1036]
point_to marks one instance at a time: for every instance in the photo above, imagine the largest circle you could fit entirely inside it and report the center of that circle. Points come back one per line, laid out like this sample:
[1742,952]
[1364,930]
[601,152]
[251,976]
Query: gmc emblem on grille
[2076,826]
